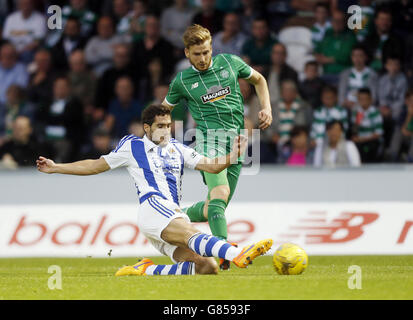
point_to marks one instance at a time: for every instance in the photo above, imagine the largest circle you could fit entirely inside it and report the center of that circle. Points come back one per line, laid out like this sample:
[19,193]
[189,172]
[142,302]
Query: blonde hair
[196,34]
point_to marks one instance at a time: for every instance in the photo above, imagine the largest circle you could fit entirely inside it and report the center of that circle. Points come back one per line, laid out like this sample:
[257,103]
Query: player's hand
[45,165]
[265,117]
[240,145]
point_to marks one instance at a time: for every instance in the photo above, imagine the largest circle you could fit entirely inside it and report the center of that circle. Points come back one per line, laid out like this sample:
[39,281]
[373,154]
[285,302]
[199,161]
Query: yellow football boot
[137,269]
[249,253]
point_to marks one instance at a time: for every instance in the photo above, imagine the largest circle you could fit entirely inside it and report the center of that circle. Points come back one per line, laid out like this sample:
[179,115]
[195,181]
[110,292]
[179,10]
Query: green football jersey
[213,96]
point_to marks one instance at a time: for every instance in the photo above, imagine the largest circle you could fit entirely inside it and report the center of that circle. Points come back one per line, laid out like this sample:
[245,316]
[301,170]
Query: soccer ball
[290,259]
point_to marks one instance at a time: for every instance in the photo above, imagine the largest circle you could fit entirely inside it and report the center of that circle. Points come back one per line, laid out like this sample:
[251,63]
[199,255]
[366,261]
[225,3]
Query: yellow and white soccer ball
[290,259]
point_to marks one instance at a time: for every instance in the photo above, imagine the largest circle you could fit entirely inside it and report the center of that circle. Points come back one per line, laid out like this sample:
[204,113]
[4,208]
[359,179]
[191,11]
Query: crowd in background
[72,93]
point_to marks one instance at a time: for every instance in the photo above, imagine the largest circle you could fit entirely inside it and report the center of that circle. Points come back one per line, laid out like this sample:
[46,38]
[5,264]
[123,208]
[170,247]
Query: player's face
[200,55]
[160,130]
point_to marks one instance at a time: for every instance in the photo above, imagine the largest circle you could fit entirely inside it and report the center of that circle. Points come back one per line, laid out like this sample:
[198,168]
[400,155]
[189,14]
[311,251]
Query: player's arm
[261,87]
[81,168]
[218,164]
[166,104]
[174,94]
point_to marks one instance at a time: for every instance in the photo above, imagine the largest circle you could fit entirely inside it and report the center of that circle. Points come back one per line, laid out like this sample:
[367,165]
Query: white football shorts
[155,213]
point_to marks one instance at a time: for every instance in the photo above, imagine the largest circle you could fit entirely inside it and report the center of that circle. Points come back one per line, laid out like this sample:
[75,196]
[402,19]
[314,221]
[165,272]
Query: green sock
[216,218]
[196,212]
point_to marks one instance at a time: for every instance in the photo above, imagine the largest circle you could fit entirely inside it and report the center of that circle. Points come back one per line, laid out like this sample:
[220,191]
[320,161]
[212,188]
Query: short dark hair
[329,88]
[383,9]
[331,123]
[297,130]
[393,57]
[359,47]
[322,5]
[409,93]
[313,63]
[365,91]
[153,110]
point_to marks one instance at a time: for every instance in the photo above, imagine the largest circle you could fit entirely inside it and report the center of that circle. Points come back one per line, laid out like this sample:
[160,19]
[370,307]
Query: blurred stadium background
[70,94]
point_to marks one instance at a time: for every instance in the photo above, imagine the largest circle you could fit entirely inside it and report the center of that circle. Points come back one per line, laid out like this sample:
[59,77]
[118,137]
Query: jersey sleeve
[191,157]
[119,157]
[174,93]
[244,70]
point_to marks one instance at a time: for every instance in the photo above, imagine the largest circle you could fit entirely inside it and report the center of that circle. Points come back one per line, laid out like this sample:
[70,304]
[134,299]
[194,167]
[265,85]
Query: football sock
[209,246]
[196,212]
[180,268]
[216,218]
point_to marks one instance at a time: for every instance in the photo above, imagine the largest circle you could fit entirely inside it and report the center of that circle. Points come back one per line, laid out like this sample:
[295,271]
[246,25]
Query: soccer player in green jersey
[210,87]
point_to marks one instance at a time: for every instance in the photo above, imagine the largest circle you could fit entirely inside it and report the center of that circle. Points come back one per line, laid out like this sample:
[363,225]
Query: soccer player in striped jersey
[211,90]
[156,163]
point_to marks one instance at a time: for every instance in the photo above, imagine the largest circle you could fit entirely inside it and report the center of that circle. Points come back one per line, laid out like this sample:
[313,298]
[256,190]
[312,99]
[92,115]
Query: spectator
[62,121]
[175,20]
[333,52]
[209,17]
[133,23]
[153,51]
[99,49]
[122,109]
[287,113]
[328,111]
[311,86]
[101,144]
[23,148]
[402,16]
[70,41]
[122,66]
[82,81]
[230,39]
[279,71]
[136,128]
[16,105]
[228,6]
[25,28]
[382,42]
[403,133]
[257,50]
[11,71]
[79,10]
[321,24]
[367,127]
[335,150]
[392,90]
[408,60]
[356,77]
[296,152]
[41,80]
[248,13]
[119,10]
[278,12]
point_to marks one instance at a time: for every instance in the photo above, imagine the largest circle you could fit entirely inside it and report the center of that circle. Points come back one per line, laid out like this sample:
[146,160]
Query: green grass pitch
[383,277]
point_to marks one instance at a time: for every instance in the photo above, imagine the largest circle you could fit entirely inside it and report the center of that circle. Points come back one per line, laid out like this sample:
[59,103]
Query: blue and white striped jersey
[155,170]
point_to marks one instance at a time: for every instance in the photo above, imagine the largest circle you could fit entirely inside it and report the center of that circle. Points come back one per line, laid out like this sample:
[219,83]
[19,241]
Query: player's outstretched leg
[147,267]
[182,234]
[189,263]
[210,246]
